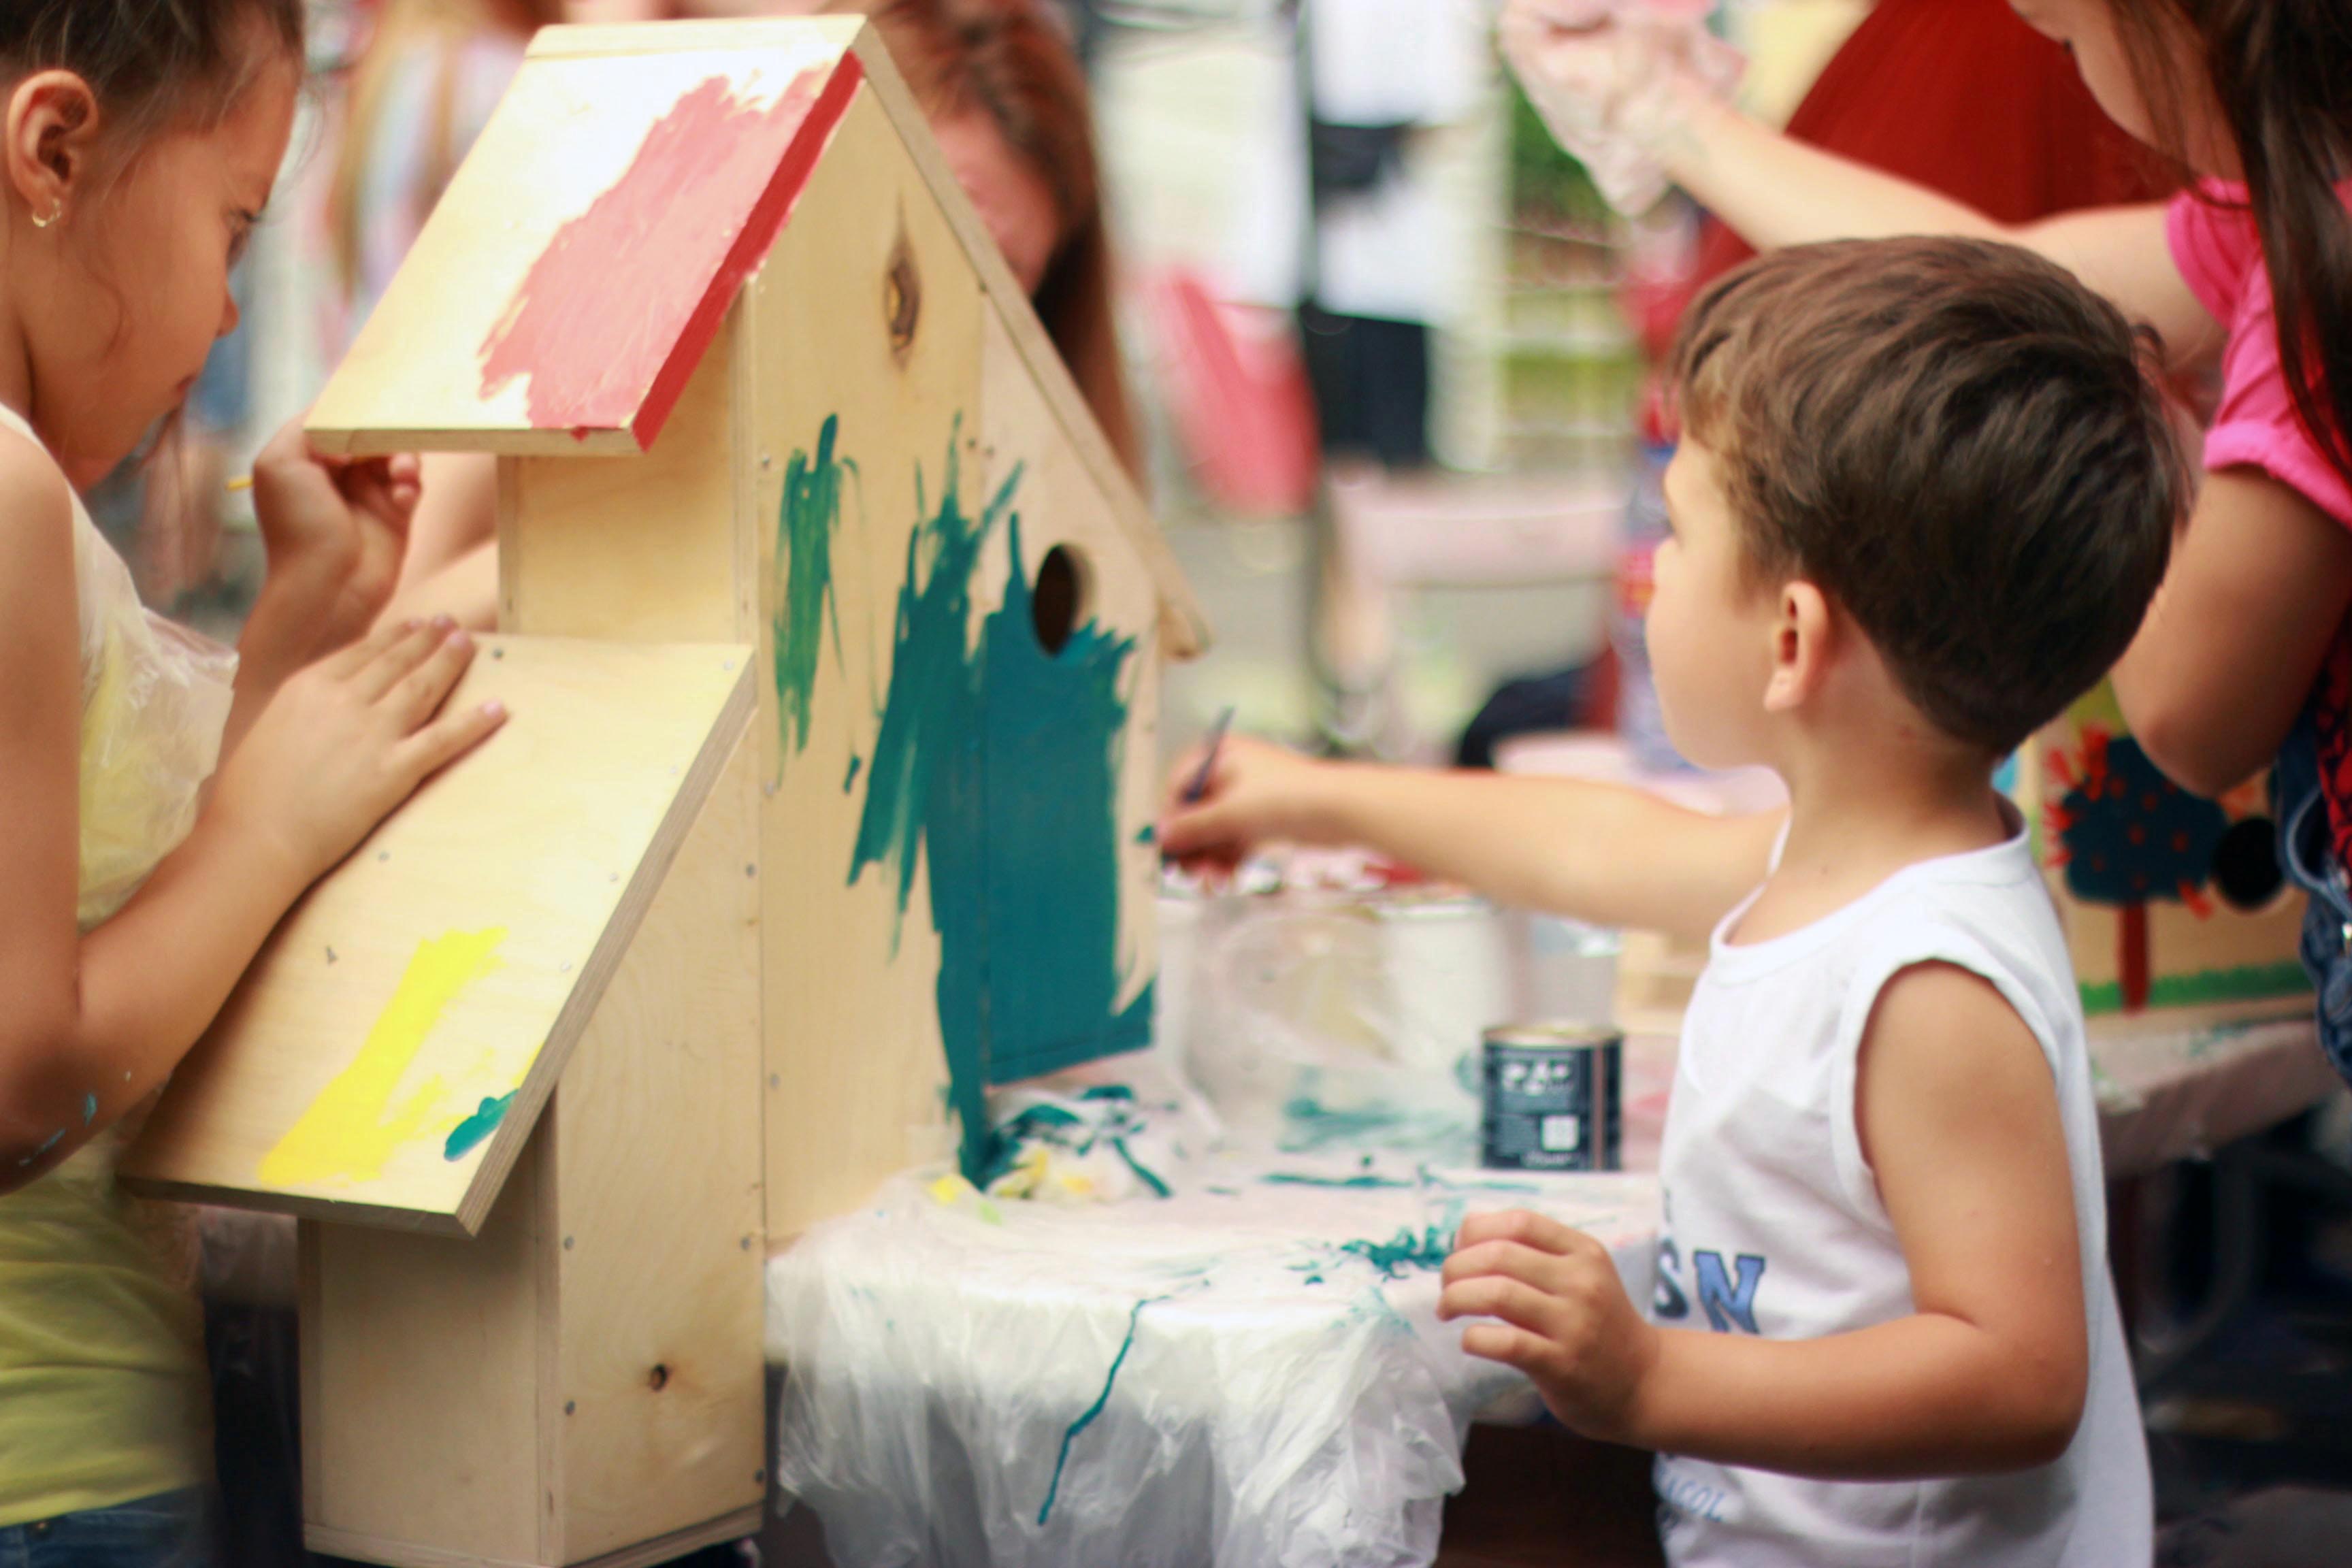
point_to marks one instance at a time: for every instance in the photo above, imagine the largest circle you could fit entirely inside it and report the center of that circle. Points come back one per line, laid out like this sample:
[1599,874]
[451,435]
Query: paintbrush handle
[1197,789]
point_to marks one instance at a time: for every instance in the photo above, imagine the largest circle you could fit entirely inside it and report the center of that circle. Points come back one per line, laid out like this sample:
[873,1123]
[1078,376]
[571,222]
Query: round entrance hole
[1058,602]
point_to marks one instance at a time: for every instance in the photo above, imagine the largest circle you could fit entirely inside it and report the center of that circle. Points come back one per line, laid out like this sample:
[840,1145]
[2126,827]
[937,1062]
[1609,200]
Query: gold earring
[56,213]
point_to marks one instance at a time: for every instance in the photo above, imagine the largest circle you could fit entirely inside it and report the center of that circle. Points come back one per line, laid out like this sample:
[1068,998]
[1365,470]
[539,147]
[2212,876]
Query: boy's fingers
[1505,1260]
[449,737]
[1501,1343]
[1518,1304]
[1523,1226]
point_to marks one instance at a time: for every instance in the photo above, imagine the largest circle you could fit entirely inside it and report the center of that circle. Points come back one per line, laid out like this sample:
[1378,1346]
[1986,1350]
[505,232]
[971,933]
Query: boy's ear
[52,142]
[1804,642]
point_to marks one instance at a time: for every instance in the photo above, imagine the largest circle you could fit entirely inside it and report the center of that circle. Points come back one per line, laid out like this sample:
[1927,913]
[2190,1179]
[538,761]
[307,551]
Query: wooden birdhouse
[831,631]
[2174,906]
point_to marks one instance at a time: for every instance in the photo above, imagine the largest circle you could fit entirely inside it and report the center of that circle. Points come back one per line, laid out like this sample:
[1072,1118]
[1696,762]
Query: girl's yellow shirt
[104,1396]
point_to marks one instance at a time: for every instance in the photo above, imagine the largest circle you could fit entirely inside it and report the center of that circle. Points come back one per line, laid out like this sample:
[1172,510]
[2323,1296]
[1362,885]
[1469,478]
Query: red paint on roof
[617,311]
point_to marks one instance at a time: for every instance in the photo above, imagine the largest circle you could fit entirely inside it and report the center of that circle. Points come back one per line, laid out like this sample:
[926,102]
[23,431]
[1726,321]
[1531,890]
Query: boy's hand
[1565,1320]
[349,739]
[1255,793]
[336,528]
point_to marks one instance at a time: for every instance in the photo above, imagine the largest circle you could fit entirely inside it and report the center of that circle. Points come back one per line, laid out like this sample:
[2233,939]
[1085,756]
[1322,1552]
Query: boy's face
[1709,628]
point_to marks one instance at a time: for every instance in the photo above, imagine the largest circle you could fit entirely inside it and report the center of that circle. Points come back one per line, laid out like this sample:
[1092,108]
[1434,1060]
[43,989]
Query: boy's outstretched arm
[1596,852]
[1959,1121]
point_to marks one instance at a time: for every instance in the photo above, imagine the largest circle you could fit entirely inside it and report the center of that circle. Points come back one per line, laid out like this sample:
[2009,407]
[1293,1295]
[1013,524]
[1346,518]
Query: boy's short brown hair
[1956,442]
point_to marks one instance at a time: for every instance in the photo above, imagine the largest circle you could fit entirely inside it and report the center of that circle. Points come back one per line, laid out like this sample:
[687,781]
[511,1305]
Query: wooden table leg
[1539,1495]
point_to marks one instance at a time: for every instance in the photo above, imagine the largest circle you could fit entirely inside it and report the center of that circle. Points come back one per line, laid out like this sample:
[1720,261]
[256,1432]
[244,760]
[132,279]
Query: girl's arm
[1774,190]
[94,1023]
[457,521]
[2257,594]
[1990,1372]
[466,590]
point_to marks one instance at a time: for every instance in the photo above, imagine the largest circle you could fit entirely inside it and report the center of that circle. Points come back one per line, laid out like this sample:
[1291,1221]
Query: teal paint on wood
[468,1134]
[999,762]
[804,600]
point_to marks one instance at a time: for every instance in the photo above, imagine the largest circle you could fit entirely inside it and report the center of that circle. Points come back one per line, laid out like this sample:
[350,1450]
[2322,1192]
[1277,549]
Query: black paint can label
[1550,1100]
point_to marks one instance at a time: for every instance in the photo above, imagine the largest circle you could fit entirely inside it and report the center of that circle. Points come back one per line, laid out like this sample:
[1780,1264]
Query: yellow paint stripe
[352,1128]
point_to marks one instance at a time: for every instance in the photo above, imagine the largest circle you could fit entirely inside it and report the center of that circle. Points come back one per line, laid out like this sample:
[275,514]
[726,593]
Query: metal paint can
[1551,1098]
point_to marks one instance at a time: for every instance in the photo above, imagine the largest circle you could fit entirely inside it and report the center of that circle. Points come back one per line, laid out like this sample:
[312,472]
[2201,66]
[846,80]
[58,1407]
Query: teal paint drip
[1406,1251]
[1348,1183]
[805,600]
[469,1134]
[1000,763]
[1101,1402]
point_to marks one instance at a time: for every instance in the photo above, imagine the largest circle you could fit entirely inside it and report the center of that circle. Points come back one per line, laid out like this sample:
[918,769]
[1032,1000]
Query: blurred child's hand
[1565,1319]
[1256,792]
[336,530]
[1613,80]
[350,738]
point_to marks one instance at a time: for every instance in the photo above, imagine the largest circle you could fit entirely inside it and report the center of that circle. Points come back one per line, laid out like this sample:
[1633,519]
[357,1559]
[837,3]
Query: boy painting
[1923,498]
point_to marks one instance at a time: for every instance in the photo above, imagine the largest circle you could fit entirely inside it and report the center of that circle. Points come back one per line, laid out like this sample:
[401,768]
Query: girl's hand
[336,528]
[1256,792]
[350,738]
[1615,81]
[1564,1317]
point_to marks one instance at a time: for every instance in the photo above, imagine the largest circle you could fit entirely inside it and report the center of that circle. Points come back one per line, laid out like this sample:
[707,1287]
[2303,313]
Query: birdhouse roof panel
[582,259]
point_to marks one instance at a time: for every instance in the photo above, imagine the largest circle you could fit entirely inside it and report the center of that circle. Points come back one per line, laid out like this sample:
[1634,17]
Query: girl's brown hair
[2280,72]
[151,62]
[1010,59]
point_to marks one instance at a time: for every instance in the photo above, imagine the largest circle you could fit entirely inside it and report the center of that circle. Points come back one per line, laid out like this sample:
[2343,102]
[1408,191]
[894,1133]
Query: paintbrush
[1197,789]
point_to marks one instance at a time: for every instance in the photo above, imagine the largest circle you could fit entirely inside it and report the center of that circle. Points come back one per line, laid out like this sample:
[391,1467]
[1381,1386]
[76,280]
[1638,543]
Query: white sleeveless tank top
[1774,1227]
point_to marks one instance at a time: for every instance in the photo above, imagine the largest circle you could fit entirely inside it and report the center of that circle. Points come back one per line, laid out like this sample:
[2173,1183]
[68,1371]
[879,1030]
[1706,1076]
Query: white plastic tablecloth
[1249,1371]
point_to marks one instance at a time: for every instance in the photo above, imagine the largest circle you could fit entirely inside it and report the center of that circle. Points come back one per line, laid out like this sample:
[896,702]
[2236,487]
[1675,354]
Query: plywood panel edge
[685,805]
[580,39]
[747,462]
[371,441]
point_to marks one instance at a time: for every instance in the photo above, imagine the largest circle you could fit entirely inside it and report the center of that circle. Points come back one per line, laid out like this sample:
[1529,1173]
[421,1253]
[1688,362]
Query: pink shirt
[2220,254]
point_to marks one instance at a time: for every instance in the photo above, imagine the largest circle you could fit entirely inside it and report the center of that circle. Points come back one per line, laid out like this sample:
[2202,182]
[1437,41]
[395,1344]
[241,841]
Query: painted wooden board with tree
[2171,902]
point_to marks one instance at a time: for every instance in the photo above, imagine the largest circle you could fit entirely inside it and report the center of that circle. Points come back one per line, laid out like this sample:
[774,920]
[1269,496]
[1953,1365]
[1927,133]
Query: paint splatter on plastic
[1407,1251]
[1351,1184]
[1102,1400]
